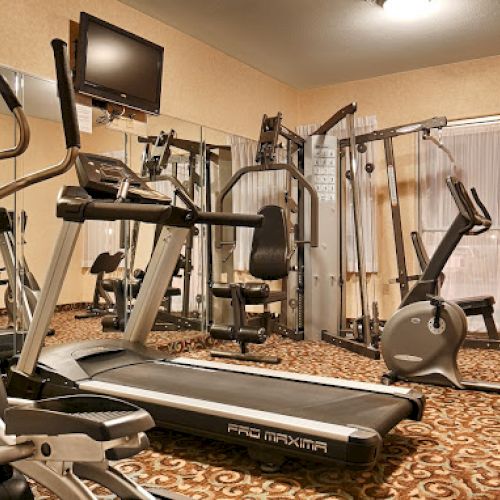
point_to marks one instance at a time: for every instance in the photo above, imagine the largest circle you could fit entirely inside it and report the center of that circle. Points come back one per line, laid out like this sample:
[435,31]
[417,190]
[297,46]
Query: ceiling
[311,43]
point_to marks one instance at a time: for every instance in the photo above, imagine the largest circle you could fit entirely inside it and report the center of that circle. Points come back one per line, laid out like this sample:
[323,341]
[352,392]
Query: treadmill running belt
[298,399]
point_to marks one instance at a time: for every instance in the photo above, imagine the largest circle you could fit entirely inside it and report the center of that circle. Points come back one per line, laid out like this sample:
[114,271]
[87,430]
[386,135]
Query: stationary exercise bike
[420,342]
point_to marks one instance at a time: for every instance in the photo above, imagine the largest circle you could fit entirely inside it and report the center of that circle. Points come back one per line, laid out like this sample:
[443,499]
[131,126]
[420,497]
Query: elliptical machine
[19,315]
[61,441]
[421,340]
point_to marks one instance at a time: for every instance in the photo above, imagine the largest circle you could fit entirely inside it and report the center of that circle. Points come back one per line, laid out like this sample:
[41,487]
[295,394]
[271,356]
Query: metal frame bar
[160,271]
[294,172]
[23,139]
[355,178]
[391,132]
[392,181]
[47,301]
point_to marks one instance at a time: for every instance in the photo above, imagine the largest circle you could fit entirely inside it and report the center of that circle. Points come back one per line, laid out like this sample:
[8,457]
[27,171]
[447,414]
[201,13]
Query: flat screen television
[117,66]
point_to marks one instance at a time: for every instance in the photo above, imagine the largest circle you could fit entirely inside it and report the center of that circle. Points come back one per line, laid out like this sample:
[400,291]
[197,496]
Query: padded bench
[268,261]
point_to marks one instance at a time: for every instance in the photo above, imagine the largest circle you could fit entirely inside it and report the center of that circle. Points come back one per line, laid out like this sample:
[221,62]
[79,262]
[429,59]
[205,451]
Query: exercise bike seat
[100,418]
[480,301]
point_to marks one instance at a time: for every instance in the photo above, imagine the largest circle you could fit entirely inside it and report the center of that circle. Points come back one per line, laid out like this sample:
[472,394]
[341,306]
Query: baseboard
[59,308]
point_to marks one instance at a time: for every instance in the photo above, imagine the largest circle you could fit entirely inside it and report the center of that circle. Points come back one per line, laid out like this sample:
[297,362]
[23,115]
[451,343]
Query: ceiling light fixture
[406,10]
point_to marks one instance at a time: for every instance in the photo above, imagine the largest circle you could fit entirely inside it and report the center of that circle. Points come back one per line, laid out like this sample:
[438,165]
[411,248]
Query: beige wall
[460,90]
[200,84]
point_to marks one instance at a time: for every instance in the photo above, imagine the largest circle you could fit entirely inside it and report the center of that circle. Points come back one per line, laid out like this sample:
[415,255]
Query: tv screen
[117,66]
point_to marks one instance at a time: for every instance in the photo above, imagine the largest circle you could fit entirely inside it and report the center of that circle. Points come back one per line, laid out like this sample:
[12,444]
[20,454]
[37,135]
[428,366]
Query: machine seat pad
[107,284]
[269,254]
[273,296]
[221,290]
[479,301]
[170,292]
[100,418]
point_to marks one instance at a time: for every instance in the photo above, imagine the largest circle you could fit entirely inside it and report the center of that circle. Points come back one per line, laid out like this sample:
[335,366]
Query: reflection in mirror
[9,343]
[103,244]
[218,170]
[167,155]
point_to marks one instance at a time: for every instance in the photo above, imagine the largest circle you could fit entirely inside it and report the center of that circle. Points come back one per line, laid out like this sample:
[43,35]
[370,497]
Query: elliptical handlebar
[468,209]
[66,94]
[8,95]
[17,110]
[70,124]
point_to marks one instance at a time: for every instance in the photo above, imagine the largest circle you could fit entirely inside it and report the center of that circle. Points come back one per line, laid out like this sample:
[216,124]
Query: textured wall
[200,84]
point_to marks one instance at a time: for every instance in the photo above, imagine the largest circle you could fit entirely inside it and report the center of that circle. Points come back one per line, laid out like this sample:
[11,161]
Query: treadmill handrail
[17,110]
[294,172]
[70,123]
[166,215]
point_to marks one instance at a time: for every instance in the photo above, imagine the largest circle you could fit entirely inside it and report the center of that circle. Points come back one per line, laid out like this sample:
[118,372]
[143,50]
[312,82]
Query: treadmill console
[102,176]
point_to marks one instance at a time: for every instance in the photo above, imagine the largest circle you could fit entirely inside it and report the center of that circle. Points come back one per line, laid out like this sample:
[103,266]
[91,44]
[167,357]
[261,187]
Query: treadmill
[274,413]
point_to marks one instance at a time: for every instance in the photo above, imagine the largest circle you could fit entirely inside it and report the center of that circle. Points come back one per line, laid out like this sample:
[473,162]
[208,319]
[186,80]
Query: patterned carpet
[453,453]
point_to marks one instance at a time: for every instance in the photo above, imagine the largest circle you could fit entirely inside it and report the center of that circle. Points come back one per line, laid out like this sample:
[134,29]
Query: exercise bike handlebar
[17,110]
[70,125]
[468,209]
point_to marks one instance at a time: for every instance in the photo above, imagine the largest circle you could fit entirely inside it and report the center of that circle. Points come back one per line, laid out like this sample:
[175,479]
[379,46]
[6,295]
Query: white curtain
[363,125]
[251,193]
[474,268]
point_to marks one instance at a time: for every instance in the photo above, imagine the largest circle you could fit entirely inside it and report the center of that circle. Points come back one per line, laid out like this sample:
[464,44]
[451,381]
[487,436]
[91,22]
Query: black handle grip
[225,219]
[66,94]
[480,204]
[8,94]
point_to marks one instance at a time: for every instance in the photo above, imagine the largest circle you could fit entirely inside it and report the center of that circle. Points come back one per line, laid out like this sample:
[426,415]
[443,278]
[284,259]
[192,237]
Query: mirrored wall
[8,138]
[110,258]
